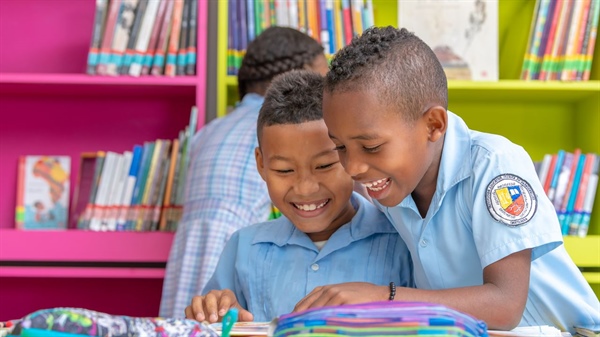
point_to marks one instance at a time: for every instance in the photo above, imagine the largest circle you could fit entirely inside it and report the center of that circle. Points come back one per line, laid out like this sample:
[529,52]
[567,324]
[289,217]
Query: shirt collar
[367,221]
[251,99]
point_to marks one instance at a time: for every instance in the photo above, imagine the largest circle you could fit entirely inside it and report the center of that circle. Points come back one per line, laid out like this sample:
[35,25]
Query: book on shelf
[43,192]
[86,178]
[144,37]
[573,187]
[98,29]
[122,34]
[561,42]
[462,34]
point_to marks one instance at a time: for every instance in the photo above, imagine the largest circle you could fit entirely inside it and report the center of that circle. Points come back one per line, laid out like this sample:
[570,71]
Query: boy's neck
[423,193]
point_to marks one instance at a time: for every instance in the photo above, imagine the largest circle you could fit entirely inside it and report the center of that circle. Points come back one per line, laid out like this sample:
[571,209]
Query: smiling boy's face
[304,177]
[390,157]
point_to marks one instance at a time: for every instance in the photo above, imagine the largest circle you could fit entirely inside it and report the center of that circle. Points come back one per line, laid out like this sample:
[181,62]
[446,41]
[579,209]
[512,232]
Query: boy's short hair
[396,64]
[275,51]
[294,97]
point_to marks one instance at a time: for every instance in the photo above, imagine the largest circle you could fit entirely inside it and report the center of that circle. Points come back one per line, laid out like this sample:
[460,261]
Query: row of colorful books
[331,22]
[137,190]
[144,37]
[561,41]
[570,180]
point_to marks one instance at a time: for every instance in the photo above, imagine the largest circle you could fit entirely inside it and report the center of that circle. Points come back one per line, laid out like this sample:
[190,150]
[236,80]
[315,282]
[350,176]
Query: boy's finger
[225,302]
[211,307]
[243,314]
[196,309]
[307,301]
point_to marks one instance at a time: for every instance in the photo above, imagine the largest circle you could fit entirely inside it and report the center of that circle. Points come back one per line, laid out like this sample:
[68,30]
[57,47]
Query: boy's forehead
[301,137]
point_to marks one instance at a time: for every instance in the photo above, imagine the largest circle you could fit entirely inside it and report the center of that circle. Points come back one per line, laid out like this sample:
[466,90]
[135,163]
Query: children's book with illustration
[43,192]
[463,34]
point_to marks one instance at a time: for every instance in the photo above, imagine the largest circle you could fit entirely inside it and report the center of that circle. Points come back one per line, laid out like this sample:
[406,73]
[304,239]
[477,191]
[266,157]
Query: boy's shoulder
[268,231]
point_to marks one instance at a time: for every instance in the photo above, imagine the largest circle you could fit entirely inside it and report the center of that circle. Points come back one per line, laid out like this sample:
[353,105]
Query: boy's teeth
[310,207]
[373,185]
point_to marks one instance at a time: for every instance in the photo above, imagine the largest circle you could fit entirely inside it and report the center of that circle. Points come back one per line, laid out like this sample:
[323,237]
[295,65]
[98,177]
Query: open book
[530,331]
[245,328]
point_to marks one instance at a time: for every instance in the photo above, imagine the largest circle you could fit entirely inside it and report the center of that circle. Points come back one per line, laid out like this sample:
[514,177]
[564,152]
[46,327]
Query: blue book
[565,217]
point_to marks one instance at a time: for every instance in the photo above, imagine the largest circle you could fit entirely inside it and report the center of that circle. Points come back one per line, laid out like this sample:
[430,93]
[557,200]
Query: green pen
[228,321]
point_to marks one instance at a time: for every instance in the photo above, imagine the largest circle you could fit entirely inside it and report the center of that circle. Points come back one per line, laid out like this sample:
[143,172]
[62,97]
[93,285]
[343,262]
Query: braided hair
[398,66]
[276,50]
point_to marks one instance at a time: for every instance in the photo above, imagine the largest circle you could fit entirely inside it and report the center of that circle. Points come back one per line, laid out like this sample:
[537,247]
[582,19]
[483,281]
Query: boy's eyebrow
[359,137]
[320,154]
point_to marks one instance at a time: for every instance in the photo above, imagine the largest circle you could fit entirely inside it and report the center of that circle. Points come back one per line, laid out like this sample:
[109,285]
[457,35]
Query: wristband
[392,291]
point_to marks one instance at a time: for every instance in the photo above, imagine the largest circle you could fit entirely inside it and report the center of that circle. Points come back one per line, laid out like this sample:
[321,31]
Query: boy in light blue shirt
[483,236]
[328,234]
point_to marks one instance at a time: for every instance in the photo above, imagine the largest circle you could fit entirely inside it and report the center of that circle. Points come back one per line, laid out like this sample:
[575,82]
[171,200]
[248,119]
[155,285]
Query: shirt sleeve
[225,275]
[511,211]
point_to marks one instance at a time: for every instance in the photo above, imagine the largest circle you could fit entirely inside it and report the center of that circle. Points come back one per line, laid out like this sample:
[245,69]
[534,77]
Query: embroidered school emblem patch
[510,200]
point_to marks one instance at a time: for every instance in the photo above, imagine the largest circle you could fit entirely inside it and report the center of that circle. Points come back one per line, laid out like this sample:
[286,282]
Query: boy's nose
[353,166]
[306,185]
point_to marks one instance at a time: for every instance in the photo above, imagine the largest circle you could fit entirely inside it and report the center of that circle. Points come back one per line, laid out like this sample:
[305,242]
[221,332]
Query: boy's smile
[392,158]
[304,177]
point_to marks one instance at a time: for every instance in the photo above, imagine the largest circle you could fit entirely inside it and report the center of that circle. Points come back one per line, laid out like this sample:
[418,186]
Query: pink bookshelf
[48,105]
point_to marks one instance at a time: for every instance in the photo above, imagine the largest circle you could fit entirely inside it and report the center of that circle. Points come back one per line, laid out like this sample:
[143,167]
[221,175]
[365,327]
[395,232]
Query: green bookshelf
[543,117]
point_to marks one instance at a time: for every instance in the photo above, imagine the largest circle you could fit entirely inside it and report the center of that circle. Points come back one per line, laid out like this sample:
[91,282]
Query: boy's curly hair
[292,98]
[396,64]
[275,51]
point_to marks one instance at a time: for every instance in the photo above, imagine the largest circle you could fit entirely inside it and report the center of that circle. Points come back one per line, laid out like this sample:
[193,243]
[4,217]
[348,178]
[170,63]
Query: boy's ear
[260,167]
[437,122]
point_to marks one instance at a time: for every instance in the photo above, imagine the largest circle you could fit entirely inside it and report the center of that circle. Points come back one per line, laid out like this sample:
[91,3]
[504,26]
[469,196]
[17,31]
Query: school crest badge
[510,200]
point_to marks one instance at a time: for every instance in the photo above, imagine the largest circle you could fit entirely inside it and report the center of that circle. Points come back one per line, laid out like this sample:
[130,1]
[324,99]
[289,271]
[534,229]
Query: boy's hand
[214,305]
[343,293]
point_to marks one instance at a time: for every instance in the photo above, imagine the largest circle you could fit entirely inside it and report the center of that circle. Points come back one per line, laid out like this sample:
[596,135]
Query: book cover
[43,192]
[463,34]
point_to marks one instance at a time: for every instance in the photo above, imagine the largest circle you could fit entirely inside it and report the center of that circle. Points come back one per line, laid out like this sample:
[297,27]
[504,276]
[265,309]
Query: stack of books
[144,37]
[570,180]
[561,40]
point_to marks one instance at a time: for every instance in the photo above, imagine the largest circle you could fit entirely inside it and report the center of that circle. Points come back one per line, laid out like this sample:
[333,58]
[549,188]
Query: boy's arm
[222,290]
[500,301]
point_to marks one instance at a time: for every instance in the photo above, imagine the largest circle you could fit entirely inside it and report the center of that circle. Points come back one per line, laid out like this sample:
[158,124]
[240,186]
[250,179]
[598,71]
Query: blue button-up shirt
[272,265]
[468,227]
[223,193]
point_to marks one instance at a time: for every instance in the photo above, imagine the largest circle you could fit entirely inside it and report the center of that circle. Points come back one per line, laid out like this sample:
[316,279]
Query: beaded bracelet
[392,291]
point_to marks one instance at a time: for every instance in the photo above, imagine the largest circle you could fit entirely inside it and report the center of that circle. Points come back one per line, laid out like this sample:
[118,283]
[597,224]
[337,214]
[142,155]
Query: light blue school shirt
[223,193]
[272,265]
[461,235]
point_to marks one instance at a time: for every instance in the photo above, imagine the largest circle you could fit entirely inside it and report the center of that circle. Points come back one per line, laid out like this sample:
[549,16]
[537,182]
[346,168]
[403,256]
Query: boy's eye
[371,149]
[340,148]
[283,171]
[321,167]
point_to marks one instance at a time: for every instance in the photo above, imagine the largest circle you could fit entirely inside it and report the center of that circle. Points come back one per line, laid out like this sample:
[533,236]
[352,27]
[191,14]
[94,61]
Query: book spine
[171,62]
[122,33]
[580,66]
[129,186]
[545,63]
[565,219]
[158,62]
[592,43]
[107,39]
[20,209]
[559,162]
[153,42]
[141,45]
[99,18]
[574,64]
[590,195]
[347,21]
[564,70]
[133,36]
[535,40]
[183,40]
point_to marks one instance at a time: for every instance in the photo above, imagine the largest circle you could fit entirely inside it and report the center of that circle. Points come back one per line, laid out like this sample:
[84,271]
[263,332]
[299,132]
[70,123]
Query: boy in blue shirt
[483,236]
[327,234]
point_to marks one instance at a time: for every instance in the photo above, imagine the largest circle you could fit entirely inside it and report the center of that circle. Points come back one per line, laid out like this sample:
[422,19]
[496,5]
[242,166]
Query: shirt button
[423,243]
[314,267]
